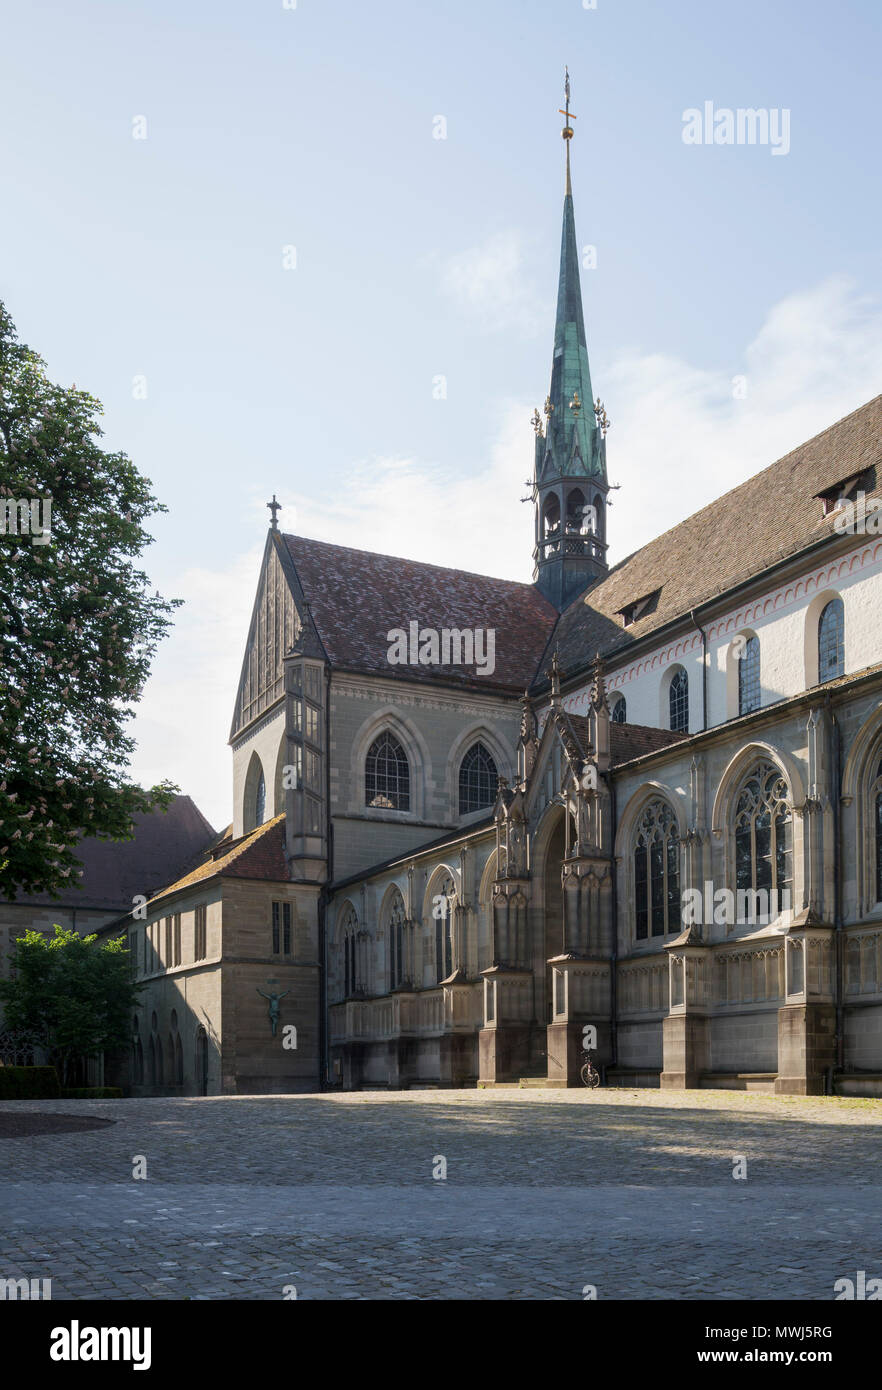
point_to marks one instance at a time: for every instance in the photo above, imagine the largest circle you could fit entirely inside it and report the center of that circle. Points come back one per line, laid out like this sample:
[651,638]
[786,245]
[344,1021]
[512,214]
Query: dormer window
[835,496]
[639,608]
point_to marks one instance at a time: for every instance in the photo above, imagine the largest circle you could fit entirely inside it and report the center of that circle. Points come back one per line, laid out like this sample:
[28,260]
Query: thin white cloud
[491,284]
[681,436]
[183,722]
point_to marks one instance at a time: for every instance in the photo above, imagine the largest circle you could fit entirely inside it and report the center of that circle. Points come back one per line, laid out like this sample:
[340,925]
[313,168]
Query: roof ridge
[424,564]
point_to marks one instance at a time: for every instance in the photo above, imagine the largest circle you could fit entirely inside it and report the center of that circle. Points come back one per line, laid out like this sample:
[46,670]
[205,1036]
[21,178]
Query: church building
[478,822]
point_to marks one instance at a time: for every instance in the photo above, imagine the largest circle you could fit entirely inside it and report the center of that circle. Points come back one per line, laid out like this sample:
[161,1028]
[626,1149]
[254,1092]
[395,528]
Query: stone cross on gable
[274,507]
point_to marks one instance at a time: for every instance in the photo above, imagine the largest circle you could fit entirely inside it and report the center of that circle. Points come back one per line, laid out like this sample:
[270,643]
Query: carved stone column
[581,975]
[504,1038]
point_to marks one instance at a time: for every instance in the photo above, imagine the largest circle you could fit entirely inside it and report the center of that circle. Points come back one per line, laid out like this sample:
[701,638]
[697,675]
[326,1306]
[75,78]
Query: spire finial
[567,131]
[274,507]
[598,684]
[554,674]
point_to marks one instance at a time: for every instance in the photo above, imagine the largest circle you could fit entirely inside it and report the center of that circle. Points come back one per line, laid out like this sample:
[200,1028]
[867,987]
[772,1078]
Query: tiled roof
[626,741]
[165,845]
[772,515]
[259,855]
[357,597]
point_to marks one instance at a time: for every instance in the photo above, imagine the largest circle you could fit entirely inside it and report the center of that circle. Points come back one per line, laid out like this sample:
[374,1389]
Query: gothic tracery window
[749,693]
[478,780]
[396,927]
[831,641]
[877,806]
[763,832]
[657,872]
[678,701]
[387,775]
[350,953]
[619,713]
[443,906]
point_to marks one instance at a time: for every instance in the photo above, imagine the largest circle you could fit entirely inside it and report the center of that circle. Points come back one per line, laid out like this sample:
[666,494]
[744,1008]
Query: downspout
[324,898]
[703,668]
[839,1038]
[613,983]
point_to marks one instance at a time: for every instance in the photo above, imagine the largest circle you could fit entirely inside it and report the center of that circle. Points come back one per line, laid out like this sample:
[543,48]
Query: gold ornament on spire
[548,406]
[575,404]
[536,421]
[567,131]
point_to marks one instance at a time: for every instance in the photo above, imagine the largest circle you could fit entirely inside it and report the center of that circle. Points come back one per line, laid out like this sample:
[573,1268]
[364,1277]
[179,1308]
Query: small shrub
[29,1083]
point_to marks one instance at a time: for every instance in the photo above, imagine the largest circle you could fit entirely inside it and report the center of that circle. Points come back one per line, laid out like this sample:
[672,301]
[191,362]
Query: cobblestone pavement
[546,1192]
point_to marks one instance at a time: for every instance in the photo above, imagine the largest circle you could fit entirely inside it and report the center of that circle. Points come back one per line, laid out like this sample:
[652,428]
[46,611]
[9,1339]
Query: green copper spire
[569,486]
[572,443]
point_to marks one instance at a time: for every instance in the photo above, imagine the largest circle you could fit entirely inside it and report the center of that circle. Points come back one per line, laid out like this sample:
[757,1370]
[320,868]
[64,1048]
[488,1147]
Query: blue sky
[312,127]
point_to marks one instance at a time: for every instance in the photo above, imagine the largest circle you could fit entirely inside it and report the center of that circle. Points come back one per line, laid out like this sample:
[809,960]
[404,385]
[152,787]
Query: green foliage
[75,995]
[78,627]
[29,1083]
[92,1093]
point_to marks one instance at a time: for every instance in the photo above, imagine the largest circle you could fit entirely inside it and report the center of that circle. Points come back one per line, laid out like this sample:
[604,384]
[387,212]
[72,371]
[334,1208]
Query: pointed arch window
[550,527]
[551,514]
[349,934]
[678,701]
[763,832]
[831,641]
[749,691]
[619,712]
[260,801]
[478,780]
[444,906]
[576,512]
[397,927]
[657,872]
[877,820]
[387,775]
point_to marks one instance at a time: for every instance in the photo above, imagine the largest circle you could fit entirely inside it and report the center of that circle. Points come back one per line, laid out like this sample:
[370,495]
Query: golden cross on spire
[567,131]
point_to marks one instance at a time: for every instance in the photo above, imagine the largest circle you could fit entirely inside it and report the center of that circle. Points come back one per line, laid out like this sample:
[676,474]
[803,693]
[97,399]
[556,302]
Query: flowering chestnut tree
[78,625]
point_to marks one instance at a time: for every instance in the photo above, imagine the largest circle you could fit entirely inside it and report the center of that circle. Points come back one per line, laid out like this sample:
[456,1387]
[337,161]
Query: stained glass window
[831,641]
[763,832]
[387,775]
[678,697]
[478,780]
[657,872]
[749,692]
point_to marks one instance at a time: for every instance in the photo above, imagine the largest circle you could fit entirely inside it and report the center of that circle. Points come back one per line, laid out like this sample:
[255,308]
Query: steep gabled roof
[258,855]
[773,515]
[356,598]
